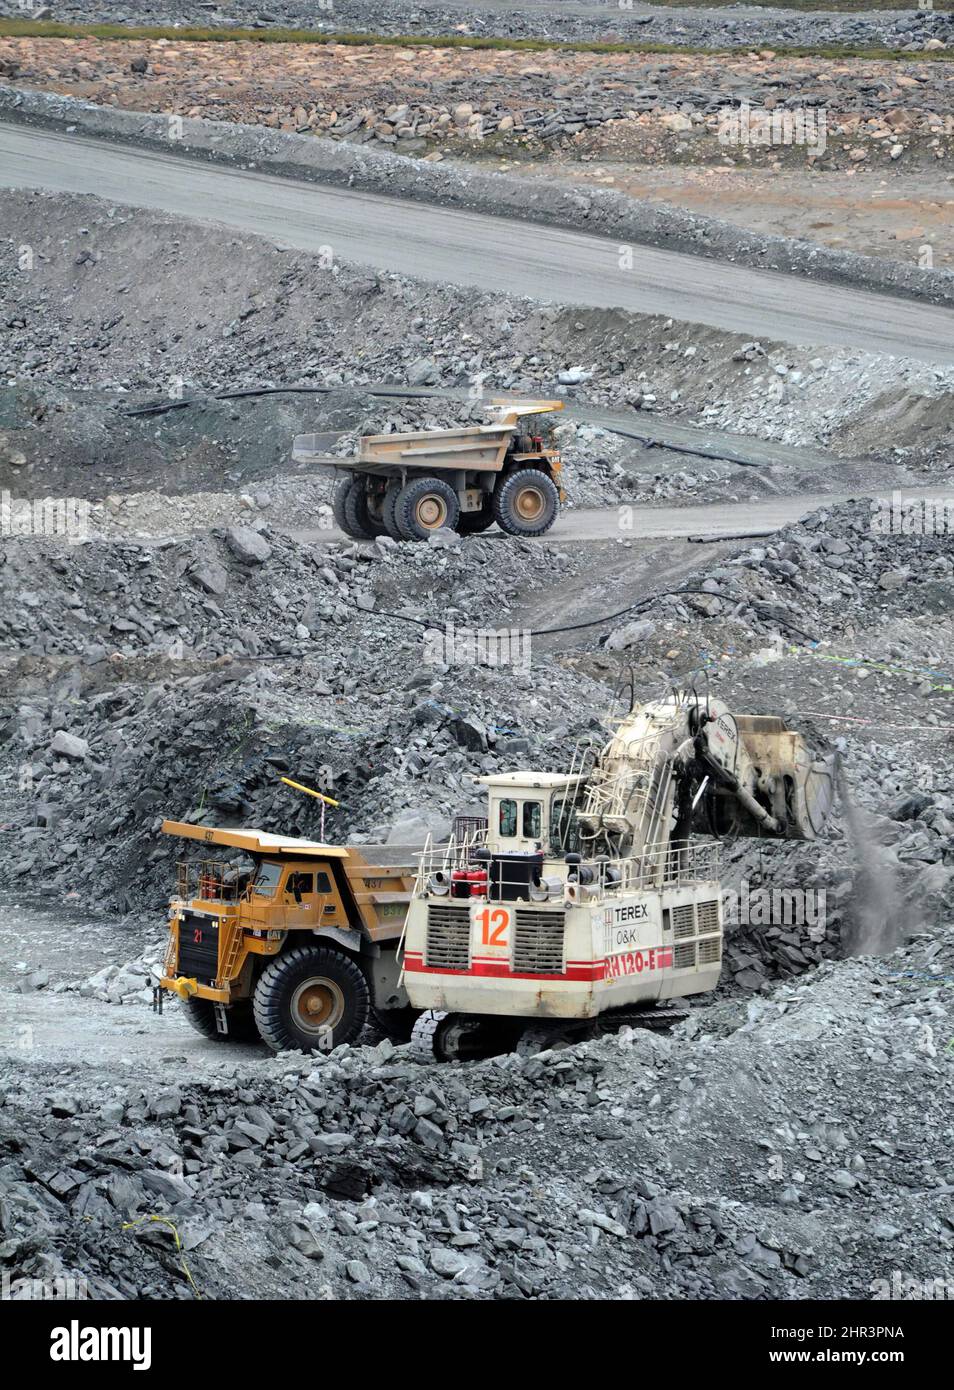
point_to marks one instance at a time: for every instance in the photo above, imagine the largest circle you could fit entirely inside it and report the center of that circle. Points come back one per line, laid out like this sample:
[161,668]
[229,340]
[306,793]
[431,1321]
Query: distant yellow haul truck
[407,485]
[296,950]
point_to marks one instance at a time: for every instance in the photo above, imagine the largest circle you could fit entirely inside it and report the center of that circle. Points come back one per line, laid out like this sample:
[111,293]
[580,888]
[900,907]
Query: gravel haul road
[438,244]
[708,521]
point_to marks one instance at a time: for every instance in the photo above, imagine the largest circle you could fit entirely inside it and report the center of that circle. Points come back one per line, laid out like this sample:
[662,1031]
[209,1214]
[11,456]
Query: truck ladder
[230,955]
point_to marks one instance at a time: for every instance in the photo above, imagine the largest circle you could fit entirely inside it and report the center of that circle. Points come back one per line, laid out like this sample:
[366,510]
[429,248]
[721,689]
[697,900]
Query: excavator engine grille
[683,921]
[448,936]
[708,917]
[710,950]
[538,942]
[684,955]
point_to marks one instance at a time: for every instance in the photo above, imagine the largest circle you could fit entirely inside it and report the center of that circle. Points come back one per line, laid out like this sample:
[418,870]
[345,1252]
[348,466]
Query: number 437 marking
[494,926]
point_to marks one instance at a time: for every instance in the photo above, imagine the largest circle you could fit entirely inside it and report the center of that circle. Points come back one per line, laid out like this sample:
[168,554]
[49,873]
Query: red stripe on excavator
[575,970]
[500,969]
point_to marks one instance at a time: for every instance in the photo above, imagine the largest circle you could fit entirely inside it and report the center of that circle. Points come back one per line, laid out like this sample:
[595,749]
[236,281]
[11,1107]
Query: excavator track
[655,1020]
[448,1037]
[544,1037]
[423,1034]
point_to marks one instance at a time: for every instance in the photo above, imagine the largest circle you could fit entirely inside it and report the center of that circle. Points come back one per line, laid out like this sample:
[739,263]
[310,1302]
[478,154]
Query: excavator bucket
[782,756]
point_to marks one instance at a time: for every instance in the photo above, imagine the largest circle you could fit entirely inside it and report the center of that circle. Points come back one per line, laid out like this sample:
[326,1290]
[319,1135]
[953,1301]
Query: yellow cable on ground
[164,1221]
[878,723]
[883,666]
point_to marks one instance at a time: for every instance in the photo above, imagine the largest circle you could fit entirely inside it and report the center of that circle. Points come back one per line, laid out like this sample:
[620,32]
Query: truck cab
[297,893]
[294,943]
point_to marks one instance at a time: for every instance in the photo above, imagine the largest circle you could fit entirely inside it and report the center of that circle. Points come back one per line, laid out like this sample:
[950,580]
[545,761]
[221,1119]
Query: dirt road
[514,257]
[724,520]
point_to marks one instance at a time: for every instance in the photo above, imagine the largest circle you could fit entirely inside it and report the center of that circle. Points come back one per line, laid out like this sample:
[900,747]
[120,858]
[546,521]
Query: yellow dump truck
[407,485]
[293,943]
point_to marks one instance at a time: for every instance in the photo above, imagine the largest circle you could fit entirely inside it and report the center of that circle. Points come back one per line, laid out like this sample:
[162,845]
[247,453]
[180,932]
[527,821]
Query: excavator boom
[685,764]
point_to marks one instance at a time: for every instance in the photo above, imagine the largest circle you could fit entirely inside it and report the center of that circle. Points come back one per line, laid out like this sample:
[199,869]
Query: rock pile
[683,26]
[720,1162]
[425,101]
[838,559]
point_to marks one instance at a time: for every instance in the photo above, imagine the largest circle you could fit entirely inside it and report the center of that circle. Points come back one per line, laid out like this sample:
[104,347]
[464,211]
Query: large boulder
[413,827]
[69,746]
[247,545]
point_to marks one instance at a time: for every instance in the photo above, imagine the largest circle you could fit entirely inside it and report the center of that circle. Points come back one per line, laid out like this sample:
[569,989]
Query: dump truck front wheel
[425,505]
[311,998]
[239,1018]
[526,503]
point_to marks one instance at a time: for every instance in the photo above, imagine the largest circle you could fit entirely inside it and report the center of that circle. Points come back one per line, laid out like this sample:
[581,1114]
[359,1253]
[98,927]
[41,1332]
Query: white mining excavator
[582,901]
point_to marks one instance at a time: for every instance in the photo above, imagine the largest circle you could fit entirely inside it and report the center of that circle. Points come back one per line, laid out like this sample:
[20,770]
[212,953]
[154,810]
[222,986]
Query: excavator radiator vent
[448,936]
[707,915]
[683,921]
[684,955]
[538,942]
[710,950]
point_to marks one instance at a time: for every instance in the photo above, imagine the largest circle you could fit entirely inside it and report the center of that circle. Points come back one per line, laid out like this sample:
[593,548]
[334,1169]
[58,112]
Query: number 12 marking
[494,926]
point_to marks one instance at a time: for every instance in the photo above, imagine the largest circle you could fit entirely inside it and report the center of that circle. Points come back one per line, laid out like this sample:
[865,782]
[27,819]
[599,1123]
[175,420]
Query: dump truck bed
[381,890]
[476,448]
[480,448]
[253,841]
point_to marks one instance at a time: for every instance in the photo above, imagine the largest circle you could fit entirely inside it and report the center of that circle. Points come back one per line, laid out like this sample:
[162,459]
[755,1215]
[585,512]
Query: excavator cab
[523,808]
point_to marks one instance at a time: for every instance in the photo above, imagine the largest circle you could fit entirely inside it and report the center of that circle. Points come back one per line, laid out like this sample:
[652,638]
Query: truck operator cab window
[299,884]
[266,880]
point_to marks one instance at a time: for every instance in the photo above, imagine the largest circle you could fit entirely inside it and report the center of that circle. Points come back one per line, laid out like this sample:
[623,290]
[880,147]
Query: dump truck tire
[470,523]
[388,509]
[311,998]
[397,1024]
[526,503]
[350,508]
[359,522]
[201,1014]
[425,505]
[341,491]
